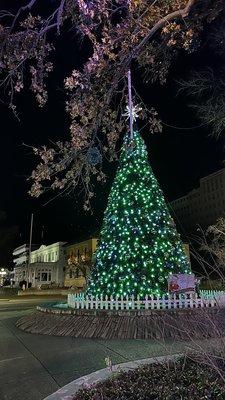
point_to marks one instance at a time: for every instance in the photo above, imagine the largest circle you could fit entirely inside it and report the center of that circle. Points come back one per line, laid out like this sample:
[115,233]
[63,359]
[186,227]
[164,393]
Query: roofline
[212,174]
[80,242]
[200,180]
[49,245]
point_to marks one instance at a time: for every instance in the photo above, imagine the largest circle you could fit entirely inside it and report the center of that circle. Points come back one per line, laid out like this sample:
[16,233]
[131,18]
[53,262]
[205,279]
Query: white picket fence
[212,293]
[206,299]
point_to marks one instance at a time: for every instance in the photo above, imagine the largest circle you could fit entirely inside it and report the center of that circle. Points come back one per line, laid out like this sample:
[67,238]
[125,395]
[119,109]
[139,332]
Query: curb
[68,391]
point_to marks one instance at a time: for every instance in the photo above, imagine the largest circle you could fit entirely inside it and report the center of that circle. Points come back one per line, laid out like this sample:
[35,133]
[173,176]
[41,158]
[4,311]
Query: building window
[44,276]
[49,257]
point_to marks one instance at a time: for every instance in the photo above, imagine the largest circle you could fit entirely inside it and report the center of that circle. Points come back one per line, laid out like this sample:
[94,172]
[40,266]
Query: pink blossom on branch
[151,32]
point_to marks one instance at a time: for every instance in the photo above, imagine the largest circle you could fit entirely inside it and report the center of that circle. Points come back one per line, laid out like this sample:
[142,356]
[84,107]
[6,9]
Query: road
[34,366]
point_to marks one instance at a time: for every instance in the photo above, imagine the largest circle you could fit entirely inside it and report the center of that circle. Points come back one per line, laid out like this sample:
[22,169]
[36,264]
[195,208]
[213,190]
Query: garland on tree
[139,245]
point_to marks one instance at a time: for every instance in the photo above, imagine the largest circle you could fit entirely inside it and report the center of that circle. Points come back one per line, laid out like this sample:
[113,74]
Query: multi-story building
[47,265]
[201,206]
[21,260]
[79,259]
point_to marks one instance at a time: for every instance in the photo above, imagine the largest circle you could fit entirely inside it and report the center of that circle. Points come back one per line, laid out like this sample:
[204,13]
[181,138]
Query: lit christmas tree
[139,245]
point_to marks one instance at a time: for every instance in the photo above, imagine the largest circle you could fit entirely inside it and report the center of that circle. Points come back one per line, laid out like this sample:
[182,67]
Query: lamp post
[30,245]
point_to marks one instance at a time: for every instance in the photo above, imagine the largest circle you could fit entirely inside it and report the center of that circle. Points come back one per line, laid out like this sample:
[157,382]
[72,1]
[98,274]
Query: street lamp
[3,272]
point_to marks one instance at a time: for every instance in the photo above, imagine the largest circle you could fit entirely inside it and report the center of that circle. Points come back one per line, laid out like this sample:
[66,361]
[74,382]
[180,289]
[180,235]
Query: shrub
[181,380]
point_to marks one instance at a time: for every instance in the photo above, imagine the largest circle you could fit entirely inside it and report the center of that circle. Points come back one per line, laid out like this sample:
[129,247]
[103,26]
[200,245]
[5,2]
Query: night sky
[179,157]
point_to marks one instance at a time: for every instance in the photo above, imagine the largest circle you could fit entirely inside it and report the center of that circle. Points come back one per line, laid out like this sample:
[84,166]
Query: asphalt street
[34,366]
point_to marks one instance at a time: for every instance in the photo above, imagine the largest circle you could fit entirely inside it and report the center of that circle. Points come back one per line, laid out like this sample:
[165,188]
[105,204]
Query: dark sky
[179,157]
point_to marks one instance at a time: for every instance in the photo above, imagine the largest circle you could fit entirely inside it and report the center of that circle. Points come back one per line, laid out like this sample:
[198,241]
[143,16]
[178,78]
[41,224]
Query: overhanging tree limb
[182,13]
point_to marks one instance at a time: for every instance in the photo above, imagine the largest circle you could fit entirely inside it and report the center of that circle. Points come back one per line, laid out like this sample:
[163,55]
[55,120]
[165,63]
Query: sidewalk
[34,366]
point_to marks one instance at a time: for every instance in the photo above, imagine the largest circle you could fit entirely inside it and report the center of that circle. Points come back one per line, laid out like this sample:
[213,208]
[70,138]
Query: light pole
[30,244]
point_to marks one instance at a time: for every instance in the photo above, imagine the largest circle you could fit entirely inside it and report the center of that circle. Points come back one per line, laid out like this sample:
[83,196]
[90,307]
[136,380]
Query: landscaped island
[184,379]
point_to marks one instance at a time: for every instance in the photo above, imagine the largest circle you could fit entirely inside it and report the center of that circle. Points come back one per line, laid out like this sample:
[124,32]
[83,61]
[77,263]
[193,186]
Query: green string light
[139,245]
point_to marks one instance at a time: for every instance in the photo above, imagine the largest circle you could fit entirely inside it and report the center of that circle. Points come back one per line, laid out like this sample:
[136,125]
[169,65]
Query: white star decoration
[135,112]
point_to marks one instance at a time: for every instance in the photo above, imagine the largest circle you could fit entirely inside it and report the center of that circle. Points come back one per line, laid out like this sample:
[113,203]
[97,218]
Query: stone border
[139,324]
[49,309]
[68,391]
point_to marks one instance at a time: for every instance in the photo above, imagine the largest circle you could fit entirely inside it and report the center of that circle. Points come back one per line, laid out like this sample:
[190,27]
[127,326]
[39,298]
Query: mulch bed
[176,325]
[184,379]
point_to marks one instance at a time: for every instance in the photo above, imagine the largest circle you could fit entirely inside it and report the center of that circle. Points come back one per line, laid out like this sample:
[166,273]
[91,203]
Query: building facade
[21,260]
[79,258]
[201,206]
[47,265]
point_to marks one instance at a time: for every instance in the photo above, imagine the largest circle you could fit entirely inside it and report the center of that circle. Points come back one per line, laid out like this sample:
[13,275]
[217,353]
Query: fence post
[68,300]
[87,303]
[78,302]
[117,305]
[101,302]
[91,303]
[180,301]
[82,302]
[127,303]
[121,303]
[152,302]
[146,302]
[132,302]
[163,302]
[111,302]
[72,300]
[106,302]
[169,302]
[158,303]
[184,300]
[96,302]
[138,302]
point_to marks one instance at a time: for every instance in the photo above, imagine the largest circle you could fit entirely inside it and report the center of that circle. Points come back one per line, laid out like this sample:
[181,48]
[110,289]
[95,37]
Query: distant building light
[3,272]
